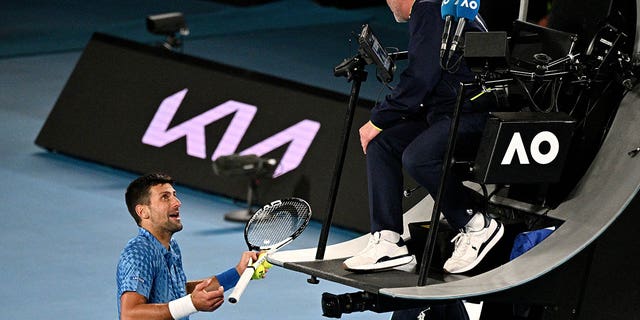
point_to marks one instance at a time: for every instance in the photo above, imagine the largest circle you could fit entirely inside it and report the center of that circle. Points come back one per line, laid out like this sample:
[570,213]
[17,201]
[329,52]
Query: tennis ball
[265,263]
[259,273]
[261,269]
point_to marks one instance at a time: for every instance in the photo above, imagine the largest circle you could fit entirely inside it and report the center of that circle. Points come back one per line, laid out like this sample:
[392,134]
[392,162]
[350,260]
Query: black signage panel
[142,108]
[524,147]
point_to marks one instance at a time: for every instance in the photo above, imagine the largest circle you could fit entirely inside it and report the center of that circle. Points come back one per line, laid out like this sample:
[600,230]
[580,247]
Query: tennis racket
[269,229]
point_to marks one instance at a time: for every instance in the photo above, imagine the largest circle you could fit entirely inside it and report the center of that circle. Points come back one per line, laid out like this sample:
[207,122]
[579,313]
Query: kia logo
[298,136]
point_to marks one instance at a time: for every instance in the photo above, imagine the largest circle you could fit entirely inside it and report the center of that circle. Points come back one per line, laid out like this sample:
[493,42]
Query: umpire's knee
[421,167]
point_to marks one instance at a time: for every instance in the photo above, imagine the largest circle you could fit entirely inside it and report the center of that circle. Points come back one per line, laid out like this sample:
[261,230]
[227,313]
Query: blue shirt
[423,86]
[148,268]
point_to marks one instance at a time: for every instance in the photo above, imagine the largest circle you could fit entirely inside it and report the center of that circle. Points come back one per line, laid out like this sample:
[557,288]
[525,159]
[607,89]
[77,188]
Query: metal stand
[446,168]
[250,166]
[353,69]
[244,215]
[429,247]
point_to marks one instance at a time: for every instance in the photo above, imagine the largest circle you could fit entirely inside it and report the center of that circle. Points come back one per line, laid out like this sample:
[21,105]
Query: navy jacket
[424,87]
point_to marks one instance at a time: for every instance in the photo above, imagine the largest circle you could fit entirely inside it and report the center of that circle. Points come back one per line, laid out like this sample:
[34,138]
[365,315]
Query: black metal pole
[429,247]
[342,153]
[357,75]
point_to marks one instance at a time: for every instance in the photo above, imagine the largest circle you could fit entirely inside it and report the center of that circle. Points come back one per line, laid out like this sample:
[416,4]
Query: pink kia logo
[299,136]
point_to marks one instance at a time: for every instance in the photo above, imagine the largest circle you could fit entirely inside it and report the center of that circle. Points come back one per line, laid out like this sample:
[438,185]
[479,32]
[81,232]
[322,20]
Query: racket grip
[234,297]
[245,278]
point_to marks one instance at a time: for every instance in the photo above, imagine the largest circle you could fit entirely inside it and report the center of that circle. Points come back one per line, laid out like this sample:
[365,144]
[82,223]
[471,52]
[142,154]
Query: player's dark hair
[138,191]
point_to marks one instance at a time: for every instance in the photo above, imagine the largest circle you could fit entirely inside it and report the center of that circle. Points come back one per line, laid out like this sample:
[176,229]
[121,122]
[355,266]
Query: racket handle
[242,284]
[244,279]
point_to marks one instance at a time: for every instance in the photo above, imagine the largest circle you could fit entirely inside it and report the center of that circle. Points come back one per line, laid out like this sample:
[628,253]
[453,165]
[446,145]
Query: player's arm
[134,305]
[229,278]
[213,285]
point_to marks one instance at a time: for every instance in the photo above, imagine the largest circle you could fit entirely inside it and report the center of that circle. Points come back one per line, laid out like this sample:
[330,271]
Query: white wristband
[182,307]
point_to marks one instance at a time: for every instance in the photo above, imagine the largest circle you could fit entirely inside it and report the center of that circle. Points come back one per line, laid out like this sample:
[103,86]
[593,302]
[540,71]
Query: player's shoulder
[138,245]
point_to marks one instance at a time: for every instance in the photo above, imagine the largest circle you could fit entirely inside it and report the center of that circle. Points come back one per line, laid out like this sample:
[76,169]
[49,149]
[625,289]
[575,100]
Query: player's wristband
[182,307]
[229,278]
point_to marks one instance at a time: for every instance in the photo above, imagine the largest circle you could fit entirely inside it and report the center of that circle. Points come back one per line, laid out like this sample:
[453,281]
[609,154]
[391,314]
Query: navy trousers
[419,146]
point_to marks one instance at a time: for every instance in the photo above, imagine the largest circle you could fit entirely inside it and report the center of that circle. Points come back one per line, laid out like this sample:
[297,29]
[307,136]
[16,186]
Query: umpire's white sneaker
[472,245]
[385,250]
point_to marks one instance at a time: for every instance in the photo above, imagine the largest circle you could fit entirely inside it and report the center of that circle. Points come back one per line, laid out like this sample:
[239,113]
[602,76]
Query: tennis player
[150,279]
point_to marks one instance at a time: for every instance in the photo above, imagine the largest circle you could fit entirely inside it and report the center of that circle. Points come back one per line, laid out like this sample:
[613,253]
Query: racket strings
[269,227]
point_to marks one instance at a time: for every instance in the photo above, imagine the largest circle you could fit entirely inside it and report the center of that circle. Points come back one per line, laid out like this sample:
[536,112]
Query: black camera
[333,306]
[374,52]
[167,24]
[170,24]
[248,165]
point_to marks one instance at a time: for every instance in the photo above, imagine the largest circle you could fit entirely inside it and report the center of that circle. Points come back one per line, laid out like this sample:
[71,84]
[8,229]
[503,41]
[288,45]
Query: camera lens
[333,306]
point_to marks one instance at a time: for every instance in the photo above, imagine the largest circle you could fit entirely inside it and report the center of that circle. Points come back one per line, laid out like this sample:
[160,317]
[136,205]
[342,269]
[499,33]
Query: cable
[526,90]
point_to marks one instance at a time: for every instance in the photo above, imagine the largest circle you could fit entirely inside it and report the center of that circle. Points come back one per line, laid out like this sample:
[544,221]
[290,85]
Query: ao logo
[469,4]
[516,147]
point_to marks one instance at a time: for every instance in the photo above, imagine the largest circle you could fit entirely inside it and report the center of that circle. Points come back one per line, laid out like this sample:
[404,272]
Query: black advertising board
[142,108]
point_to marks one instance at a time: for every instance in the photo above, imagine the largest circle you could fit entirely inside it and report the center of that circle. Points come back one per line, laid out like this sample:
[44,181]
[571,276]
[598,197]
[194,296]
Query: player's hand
[367,132]
[205,300]
[262,269]
[244,260]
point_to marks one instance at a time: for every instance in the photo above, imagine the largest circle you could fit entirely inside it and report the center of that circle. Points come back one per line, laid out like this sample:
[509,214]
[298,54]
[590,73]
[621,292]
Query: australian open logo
[473,5]
[543,149]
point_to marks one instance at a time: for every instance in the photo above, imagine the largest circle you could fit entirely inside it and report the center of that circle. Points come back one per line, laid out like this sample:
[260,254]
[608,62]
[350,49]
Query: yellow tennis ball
[259,272]
[261,269]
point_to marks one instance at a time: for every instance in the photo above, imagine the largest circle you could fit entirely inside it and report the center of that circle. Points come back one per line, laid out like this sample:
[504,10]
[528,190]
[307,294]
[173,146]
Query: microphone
[448,13]
[466,10]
